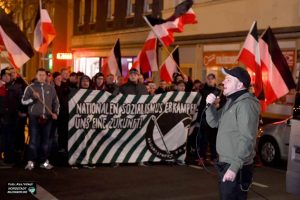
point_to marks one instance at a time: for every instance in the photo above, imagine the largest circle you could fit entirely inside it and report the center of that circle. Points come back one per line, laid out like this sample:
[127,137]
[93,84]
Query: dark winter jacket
[133,88]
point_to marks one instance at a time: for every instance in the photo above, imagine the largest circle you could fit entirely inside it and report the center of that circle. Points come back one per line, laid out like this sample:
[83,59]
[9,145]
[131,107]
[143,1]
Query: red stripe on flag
[249,60]
[164,74]
[268,88]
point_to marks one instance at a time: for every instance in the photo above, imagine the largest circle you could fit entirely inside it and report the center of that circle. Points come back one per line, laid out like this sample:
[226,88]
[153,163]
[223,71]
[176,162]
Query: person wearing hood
[133,86]
[98,82]
[237,124]
[85,82]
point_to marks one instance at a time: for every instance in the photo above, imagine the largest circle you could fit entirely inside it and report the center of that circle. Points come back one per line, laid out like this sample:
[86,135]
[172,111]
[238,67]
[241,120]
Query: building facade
[205,47]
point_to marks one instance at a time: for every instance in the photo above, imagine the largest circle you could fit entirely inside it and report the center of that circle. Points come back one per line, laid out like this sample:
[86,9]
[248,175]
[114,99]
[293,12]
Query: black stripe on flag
[278,59]
[15,34]
[180,10]
[117,53]
[254,31]
[176,56]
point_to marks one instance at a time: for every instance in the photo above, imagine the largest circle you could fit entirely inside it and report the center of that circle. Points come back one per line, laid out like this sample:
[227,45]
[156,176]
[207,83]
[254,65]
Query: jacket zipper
[43,94]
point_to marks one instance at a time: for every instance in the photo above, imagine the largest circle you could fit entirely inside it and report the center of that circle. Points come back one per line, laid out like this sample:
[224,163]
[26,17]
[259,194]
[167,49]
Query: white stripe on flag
[274,77]
[252,46]
[113,64]
[170,66]
[152,58]
[45,18]
[18,55]
[38,37]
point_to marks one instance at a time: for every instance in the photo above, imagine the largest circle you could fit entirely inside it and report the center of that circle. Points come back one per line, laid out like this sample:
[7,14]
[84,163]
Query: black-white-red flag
[113,63]
[250,56]
[44,32]
[14,41]
[279,79]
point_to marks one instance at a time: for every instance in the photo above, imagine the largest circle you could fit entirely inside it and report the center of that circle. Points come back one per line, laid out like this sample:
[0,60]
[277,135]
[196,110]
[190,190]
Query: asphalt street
[155,182]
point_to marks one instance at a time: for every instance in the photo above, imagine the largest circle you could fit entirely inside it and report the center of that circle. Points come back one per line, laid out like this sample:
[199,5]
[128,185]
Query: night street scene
[149,99]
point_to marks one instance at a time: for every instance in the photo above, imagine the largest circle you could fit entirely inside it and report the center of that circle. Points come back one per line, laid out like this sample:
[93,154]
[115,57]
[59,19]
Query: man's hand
[54,116]
[211,98]
[229,176]
[36,95]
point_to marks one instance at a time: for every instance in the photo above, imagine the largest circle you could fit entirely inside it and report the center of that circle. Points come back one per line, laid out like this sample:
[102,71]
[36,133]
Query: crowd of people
[45,103]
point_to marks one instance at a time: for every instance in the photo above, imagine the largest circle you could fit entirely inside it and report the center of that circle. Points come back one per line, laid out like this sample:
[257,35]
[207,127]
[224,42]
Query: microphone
[216,92]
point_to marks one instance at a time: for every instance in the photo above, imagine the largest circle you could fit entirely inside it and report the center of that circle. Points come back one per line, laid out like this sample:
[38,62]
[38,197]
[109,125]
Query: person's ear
[240,85]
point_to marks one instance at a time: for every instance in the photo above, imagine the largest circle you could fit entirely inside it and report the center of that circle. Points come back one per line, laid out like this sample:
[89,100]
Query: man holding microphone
[237,124]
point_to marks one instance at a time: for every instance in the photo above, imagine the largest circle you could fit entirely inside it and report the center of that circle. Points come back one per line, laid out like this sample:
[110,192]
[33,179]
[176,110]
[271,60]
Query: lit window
[81,12]
[130,8]
[148,6]
[93,11]
[110,9]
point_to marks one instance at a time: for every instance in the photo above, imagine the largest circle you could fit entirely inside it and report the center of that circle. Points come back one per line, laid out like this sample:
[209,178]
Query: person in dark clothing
[207,135]
[98,82]
[198,86]
[180,86]
[135,88]
[4,122]
[62,92]
[85,82]
[110,85]
[43,108]
[73,80]
[162,87]
[132,86]
[18,85]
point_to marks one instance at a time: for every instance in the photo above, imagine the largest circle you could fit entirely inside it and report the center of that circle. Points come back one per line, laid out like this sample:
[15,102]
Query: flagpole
[167,57]
[163,44]
[39,99]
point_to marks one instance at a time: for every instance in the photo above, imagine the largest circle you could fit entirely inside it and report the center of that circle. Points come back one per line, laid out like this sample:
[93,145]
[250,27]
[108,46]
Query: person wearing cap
[237,122]
[133,86]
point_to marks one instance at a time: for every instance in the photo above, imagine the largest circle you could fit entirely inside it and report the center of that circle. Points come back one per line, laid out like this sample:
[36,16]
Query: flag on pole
[169,67]
[147,57]
[278,79]
[11,37]
[250,56]
[44,31]
[113,63]
[165,28]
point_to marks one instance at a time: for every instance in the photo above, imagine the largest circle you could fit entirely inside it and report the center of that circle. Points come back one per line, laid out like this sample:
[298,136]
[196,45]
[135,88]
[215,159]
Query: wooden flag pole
[167,57]
[163,44]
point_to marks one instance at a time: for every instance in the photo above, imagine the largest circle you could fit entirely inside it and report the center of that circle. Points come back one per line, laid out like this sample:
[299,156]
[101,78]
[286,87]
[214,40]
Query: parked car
[273,142]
